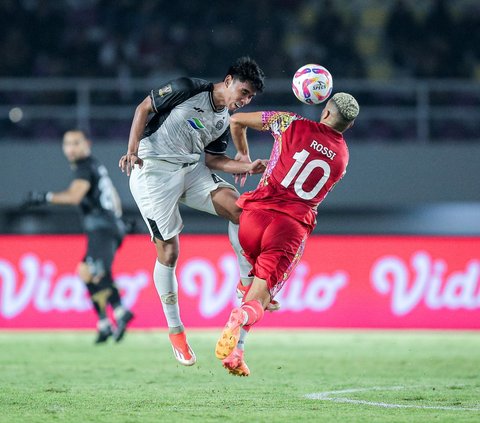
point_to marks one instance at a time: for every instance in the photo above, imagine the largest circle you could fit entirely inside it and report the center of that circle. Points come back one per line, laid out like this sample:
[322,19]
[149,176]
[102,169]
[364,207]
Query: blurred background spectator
[140,38]
[369,46]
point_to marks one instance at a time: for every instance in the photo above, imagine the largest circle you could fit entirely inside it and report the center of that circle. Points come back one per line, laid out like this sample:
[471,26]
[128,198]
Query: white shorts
[159,186]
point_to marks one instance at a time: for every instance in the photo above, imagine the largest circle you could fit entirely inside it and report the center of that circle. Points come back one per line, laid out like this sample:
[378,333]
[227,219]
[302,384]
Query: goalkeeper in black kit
[93,191]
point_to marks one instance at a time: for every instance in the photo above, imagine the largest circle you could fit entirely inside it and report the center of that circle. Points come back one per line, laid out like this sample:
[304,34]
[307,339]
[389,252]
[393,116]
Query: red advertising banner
[341,282]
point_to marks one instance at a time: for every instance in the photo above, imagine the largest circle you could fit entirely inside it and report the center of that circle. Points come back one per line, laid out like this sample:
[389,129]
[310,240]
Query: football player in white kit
[171,128]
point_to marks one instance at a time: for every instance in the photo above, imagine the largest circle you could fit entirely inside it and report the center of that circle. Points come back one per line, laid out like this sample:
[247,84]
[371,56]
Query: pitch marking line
[337,396]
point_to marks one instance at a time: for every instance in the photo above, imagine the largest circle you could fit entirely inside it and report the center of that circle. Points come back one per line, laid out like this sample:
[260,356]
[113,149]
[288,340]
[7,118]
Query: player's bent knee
[168,259]
[83,272]
[234,219]
[167,254]
[91,271]
[224,201]
[235,215]
[231,212]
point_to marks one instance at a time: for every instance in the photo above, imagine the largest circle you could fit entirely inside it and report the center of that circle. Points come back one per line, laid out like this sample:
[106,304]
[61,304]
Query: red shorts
[273,243]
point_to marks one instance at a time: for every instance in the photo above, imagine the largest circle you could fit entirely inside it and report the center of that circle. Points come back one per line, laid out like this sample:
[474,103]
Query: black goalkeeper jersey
[100,206]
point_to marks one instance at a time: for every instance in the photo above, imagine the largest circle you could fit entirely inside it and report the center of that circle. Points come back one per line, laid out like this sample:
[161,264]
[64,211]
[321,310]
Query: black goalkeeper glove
[35,198]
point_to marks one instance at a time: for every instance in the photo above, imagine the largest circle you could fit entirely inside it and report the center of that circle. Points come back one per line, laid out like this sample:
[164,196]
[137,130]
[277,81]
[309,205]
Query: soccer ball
[312,84]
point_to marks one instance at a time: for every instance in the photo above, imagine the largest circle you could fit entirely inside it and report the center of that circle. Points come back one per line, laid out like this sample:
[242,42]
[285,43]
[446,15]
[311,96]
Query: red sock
[246,289]
[254,310]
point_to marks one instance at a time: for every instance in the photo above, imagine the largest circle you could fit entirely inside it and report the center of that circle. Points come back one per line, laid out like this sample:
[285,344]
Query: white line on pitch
[333,396]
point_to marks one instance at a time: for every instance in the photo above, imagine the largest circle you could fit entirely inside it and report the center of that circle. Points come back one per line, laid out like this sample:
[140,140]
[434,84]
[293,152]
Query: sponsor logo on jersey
[196,123]
[197,109]
[219,124]
[167,89]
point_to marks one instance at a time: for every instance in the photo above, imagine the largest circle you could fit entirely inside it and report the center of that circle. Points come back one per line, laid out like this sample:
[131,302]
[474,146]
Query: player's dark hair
[84,132]
[246,69]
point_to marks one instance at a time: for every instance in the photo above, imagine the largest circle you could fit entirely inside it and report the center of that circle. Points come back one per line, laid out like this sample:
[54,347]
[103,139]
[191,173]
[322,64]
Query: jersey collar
[210,95]
[332,131]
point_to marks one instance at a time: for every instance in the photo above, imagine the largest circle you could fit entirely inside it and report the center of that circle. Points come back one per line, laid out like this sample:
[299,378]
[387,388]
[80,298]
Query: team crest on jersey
[167,89]
[219,124]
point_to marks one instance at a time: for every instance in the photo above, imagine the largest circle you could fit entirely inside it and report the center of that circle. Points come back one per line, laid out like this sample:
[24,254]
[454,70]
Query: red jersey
[308,158]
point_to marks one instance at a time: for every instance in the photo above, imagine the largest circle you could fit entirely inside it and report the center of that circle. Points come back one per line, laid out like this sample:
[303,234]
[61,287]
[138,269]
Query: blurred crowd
[438,45]
[155,40]
[140,38]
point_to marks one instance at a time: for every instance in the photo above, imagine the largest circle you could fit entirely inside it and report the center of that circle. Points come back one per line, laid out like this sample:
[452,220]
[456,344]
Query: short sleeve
[82,171]
[219,146]
[278,121]
[176,92]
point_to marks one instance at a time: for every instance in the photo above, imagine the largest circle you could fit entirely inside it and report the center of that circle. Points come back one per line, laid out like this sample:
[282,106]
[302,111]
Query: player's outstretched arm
[226,164]
[239,122]
[127,161]
[73,195]
[238,129]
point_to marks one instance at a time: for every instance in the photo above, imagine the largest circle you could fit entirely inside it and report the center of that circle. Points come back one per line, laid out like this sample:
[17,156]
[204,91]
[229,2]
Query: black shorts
[102,246]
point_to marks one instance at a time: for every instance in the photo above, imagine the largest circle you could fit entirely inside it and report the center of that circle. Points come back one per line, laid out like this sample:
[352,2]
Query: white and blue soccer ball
[312,84]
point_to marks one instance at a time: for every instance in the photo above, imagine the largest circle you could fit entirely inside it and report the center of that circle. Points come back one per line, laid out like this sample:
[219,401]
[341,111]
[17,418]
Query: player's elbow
[72,197]
[75,200]
[235,121]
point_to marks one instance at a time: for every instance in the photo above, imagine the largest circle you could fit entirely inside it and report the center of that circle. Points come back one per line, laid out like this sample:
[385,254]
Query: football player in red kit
[308,158]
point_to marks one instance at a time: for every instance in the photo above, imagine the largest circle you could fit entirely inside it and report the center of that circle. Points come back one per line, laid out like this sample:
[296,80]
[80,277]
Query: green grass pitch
[353,376]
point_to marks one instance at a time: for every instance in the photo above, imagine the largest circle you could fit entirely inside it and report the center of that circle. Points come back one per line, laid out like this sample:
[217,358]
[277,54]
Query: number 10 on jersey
[300,159]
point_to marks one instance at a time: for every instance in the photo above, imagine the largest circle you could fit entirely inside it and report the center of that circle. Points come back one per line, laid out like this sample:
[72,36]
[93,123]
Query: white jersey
[185,123]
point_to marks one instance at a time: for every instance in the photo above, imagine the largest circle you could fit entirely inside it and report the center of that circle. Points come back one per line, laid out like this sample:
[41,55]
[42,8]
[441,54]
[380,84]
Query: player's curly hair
[346,105]
[246,69]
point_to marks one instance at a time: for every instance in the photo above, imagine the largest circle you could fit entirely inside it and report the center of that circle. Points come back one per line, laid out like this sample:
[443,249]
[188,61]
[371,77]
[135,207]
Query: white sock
[119,312]
[241,339]
[243,264]
[103,324]
[167,289]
